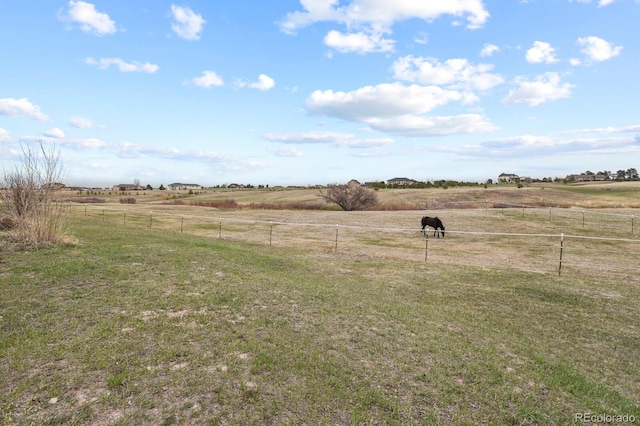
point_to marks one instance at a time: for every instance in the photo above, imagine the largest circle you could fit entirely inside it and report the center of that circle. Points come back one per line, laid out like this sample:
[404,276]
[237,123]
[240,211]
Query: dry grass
[528,239]
[587,195]
[148,326]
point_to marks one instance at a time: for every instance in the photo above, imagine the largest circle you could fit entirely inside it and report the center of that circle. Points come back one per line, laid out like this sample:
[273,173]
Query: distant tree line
[630,174]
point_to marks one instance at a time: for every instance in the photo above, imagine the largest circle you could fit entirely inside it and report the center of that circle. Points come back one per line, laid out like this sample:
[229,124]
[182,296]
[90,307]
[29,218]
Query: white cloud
[598,49]
[360,42]
[601,3]
[309,137]
[421,38]
[264,83]
[454,73]
[288,151]
[381,14]
[88,18]
[207,80]
[88,143]
[21,108]
[4,135]
[415,125]
[607,130]
[530,145]
[383,100]
[187,24]
[54,133]
[544,88]
[489,49]
[541,52]
[342,140]
[123,66]
[399,109]
[81,122]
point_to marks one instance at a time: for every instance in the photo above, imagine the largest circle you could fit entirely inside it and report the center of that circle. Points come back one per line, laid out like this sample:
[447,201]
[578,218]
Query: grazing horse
[435,223]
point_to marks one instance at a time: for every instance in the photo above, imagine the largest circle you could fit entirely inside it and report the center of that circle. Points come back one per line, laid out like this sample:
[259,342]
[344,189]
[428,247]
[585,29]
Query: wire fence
[608,243]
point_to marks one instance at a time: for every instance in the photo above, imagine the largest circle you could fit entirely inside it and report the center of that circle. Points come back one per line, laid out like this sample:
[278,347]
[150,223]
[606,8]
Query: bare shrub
[228,203]
[286,206]
[30,197]
[127,200]
[87,200]
[351,196]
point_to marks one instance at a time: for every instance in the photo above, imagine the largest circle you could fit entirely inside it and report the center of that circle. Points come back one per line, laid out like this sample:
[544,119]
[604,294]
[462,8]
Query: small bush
[30,204]
[127,200]
[87,200]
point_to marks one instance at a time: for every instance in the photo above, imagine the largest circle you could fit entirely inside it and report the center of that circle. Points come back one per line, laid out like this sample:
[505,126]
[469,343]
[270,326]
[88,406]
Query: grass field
[140,323]
[588,195]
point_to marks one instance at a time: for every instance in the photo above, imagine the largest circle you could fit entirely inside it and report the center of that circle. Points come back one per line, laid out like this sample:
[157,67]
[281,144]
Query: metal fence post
[336,248]
[270,232]
[561,248]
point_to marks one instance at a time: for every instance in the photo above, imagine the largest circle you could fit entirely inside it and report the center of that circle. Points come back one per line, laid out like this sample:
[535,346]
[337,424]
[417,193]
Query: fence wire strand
[355,238]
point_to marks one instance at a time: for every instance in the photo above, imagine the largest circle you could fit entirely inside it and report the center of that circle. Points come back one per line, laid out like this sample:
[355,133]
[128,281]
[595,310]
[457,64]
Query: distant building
[56,186]
[127,187]
[585,177]
[508,178]
[401,181]
[183,186]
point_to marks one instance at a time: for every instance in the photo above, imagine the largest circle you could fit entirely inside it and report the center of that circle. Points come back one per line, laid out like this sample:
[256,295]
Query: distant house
[183,186]
[353,182]
[56,186]
[401,181]
[587,177]
[235,185]
[508,178]
[127,187]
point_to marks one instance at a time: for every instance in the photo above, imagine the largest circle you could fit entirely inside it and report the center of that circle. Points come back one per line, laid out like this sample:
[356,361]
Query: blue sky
[321,91]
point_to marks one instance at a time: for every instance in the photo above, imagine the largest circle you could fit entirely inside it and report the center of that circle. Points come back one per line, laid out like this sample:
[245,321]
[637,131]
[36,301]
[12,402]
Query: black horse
[435,223]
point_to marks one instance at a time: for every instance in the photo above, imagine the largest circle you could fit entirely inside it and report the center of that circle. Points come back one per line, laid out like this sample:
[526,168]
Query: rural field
[172,311]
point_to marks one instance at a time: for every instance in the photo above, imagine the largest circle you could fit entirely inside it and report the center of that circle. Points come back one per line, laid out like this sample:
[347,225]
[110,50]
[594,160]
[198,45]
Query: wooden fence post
[426,245]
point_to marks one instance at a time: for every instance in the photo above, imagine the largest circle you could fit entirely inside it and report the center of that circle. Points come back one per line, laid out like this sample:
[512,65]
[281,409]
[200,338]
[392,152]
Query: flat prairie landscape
[159,312]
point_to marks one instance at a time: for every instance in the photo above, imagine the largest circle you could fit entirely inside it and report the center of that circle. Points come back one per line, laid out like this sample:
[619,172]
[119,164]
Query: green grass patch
[132,326]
